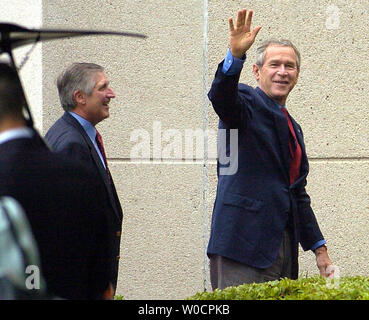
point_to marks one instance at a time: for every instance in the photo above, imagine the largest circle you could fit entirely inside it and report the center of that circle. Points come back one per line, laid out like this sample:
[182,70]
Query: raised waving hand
[241,37]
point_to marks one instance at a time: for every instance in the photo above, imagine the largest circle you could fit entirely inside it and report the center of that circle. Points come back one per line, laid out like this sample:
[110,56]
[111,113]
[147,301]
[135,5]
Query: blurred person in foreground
[62,199]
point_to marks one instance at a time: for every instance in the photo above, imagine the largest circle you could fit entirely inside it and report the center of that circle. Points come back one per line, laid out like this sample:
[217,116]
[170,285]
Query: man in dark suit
[85,94]
[69,225]
[262,210]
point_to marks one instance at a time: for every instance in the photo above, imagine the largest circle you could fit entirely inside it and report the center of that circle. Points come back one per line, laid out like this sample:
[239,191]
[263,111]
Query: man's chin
[281,94]
[102,117]
[280,98]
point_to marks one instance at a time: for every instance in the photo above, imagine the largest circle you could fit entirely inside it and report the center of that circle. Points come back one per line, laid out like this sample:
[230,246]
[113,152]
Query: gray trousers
[225,272]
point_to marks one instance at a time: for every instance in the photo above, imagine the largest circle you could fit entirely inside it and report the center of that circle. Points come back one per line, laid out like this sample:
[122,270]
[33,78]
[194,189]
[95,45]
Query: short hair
[261,51]
[78,76]
[12,99]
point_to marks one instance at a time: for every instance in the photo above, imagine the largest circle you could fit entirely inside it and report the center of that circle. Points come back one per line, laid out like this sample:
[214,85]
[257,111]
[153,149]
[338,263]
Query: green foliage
[313,288]
[118,297]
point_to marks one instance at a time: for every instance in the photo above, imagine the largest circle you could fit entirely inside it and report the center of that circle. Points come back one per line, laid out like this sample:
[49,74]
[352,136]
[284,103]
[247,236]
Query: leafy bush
[313,288]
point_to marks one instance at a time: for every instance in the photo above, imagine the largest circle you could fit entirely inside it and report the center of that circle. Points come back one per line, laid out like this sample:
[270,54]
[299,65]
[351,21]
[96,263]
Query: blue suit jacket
[254,205]
[67,136]
[56,195]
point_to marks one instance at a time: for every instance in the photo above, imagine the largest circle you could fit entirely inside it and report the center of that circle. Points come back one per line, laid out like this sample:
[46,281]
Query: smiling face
[278,75]
[95,107]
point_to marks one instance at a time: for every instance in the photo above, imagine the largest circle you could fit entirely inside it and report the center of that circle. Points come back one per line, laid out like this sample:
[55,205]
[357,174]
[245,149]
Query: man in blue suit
[262,210]
[85,94]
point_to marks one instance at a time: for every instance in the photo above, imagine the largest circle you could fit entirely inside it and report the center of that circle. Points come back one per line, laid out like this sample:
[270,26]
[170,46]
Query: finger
[231,26]
[322,272]
[249,19]
[256,31]
[241,18]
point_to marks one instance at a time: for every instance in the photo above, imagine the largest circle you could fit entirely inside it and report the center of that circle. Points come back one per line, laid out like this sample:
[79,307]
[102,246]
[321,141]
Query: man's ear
[256,71]
[79,97]
[297,77]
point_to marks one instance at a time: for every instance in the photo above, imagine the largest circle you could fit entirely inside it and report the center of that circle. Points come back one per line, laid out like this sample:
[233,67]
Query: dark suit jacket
[67,136]
[68,224]
[254,205]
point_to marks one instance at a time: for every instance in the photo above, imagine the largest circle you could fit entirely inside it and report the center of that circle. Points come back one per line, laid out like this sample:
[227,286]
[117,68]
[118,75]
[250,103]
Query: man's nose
[111,93]
[282,70]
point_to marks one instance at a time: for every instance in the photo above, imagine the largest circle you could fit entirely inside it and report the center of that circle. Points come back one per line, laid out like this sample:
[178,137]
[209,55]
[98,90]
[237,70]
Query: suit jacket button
[118,233]
[117,258]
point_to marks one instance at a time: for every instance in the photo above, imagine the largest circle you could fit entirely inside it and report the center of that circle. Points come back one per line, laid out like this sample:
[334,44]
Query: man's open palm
[241,38]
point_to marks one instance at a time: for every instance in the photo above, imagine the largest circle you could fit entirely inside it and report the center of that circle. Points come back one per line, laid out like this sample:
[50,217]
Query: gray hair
[78,76]
[261,51]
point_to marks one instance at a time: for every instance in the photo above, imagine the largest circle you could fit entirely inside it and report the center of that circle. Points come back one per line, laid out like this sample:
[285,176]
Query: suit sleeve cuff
[232,65]
[318,244]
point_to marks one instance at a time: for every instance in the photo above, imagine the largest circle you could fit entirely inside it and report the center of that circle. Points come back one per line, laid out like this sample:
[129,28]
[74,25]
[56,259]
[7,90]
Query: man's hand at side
[323,261]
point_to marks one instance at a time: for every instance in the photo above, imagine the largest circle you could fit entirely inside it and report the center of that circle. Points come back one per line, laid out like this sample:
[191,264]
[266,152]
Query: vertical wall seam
[205,127]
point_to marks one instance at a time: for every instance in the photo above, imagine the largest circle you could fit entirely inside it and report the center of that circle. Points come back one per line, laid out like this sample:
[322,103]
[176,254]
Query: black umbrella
[14,36]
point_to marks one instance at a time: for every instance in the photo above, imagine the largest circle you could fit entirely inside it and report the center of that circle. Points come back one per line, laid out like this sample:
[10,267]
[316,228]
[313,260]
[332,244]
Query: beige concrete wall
[162,82]
[27,13]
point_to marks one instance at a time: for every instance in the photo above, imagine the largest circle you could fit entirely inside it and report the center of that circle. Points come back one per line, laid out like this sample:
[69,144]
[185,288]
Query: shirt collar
[86,125]
[280,107]
[275,102]
[17,133]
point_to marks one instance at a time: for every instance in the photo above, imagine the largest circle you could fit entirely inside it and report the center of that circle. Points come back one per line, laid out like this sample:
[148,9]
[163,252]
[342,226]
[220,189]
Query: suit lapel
[281,127]
[298,134]
[109,184]
[304,161]
[70,119]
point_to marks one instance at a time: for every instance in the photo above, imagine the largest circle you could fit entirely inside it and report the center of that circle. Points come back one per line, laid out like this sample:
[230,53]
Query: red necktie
[100,144]
[296,152]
